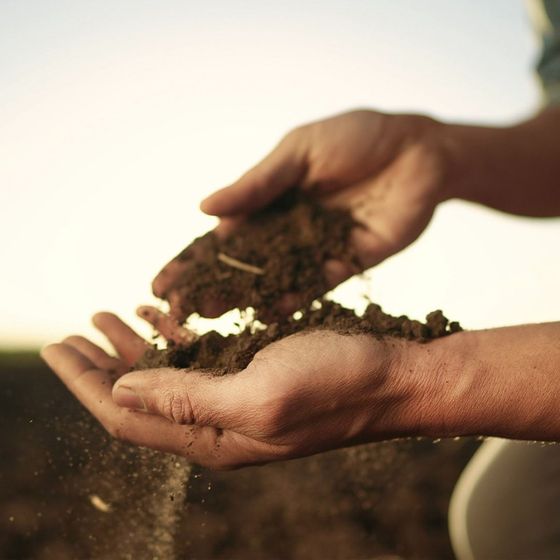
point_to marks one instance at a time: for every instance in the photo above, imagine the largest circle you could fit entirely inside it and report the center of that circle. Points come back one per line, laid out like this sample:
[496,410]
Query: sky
[118,117]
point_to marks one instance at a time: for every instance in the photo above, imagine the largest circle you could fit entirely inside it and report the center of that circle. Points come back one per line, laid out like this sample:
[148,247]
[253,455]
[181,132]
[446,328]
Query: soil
[277,251]
[226,354]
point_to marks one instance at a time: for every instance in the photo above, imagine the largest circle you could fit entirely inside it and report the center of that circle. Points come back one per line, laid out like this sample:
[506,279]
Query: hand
[388,170]
[304,394]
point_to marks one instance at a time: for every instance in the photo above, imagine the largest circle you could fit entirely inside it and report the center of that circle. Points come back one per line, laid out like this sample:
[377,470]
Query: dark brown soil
[223,354]
[284,248]
[279,251]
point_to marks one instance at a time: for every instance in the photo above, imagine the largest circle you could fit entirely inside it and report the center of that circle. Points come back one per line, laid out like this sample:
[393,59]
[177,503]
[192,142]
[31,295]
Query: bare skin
[309,393]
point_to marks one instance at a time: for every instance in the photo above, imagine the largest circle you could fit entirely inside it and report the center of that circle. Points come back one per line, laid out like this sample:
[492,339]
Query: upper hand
[388,170]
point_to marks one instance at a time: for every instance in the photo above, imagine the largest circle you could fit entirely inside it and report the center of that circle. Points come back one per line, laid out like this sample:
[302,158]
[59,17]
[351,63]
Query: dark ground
[388,498]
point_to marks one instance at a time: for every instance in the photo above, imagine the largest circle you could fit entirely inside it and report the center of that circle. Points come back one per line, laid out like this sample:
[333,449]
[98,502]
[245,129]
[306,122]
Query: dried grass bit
[99,504]
[230,261]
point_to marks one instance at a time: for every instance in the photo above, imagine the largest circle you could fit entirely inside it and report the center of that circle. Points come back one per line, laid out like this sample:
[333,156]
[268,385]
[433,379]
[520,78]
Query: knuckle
[176,407]
[275,421]
[272,401]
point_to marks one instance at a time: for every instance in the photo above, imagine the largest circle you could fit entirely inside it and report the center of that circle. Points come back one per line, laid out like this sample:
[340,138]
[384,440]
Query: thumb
[185,397]
[282,169]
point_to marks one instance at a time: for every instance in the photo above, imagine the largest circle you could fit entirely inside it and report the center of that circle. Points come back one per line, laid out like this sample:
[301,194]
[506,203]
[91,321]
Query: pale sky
[117,117]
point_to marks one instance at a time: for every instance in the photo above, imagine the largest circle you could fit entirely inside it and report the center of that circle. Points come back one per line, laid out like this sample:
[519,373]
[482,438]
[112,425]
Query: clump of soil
[223,354]
[279,250]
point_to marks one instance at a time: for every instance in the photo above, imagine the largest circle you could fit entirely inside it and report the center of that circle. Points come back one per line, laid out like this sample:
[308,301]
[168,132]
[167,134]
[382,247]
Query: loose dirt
[276,254]
[280,250]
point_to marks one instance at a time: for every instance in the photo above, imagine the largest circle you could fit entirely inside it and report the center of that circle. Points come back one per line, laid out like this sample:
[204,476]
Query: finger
[168,327]
[337,271]
[282,169]
[168,277]
[227,226]
[129,346]
[208,446]
[287,304]
[174,271]
[187,397]
[176,302]
[97,355]
[371,247]
[91,385]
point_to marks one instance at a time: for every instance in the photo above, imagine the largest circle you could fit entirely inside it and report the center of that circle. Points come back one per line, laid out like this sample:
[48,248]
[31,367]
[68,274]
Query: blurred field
[360,503]
[34,513]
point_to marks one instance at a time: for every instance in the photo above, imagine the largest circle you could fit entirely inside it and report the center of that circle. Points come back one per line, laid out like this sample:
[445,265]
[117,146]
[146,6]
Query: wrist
[446,387]
[476,160]
[465,156]
[497,382]
[512,169]
[434,386]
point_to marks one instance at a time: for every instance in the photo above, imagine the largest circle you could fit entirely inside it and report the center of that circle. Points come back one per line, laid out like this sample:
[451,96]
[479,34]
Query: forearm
[499,382]
[514,169]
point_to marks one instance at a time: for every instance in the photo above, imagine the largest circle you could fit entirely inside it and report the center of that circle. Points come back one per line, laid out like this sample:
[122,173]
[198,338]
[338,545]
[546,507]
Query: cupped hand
[301,395]
[388,170]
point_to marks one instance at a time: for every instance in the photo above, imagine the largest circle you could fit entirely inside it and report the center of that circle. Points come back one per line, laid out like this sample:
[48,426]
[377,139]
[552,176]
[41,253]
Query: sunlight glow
[113,126]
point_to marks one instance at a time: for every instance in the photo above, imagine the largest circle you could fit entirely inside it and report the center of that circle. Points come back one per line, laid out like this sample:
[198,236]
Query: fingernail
[128,398]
